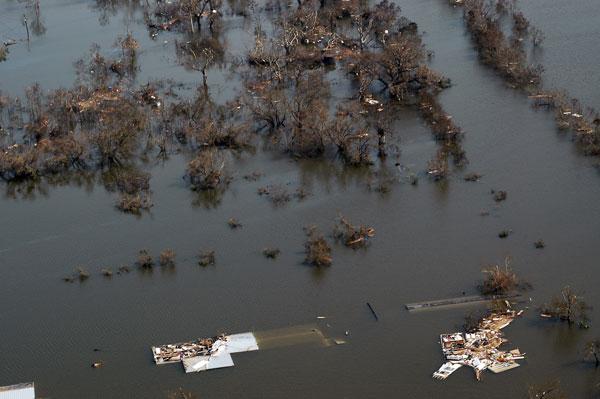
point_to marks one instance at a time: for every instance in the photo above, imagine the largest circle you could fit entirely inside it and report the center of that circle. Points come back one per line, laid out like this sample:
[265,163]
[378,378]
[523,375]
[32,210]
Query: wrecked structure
[205,353]
[478,349]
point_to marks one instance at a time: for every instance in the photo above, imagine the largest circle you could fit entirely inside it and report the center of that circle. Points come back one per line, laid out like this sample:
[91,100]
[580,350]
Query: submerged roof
[19,391]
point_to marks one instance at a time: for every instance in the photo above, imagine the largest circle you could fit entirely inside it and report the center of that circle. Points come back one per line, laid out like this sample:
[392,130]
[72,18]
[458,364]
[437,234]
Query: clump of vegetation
[472,177]
[276,193]
[234,223]
[505,233]
[352,236]
[181,394]
[123,269]
[167,258]
[106,272]
[206,258]
[271,253]
[591,352]
[316,248]
[567,306]
[79,274]
[539,244]
[499,280]
[206,170]
[134,203]
[254,176]
[82,274]
[506,56]
[499,195]
[144,260]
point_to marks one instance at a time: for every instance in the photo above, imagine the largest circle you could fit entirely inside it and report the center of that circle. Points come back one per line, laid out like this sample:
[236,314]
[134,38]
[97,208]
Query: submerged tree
[567,306]
[592,351]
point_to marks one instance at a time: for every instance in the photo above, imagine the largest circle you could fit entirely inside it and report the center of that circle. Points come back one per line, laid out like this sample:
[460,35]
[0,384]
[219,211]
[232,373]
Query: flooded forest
[352,182]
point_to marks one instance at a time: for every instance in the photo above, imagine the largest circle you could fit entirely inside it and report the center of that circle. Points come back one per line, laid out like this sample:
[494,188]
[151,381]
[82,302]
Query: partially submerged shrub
[352,236]
[271,253]
[277,193]
[205,172]
[504,233]
[316,248]
[472,177]
[82,274]
[499,195]
[567,306]
[134,203]
[167,257]
[206,258]
[234,223]
[144,259]
[499,280]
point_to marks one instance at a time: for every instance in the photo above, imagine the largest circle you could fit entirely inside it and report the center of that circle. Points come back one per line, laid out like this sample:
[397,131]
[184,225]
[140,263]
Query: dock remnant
[205,353]
[458,301]
[478,349]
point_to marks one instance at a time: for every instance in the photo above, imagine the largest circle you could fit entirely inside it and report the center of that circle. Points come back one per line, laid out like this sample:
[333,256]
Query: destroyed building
[479,349]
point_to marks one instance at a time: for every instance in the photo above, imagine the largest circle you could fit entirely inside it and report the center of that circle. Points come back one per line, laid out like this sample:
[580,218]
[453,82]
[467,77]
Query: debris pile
[205,353]
[479,349]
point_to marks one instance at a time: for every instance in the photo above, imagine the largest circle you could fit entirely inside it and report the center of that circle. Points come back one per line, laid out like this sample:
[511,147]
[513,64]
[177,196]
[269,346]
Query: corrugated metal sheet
[19,391]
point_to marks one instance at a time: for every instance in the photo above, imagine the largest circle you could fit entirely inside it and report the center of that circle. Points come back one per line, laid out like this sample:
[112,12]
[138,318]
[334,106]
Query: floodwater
[431,240]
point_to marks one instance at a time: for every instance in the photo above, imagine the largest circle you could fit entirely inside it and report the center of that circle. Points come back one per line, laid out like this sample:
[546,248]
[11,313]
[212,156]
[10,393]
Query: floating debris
[205,353]
[539,244]
[97,365]
[479,349]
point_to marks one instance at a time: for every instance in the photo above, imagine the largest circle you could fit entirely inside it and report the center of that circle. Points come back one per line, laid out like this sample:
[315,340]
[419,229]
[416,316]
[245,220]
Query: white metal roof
[19,391]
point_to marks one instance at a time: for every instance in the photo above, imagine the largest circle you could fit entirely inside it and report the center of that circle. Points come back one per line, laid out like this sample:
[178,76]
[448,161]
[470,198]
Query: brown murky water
[431,240]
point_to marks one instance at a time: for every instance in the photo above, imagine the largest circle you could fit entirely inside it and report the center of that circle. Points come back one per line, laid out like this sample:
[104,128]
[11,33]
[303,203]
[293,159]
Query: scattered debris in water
[478,349]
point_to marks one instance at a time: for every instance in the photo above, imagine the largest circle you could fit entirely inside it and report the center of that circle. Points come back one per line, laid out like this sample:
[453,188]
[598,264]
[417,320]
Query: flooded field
[432,238]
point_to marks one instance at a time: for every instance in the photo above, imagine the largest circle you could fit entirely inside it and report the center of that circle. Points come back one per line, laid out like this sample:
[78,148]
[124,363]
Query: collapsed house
[205,353]
[479,349]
